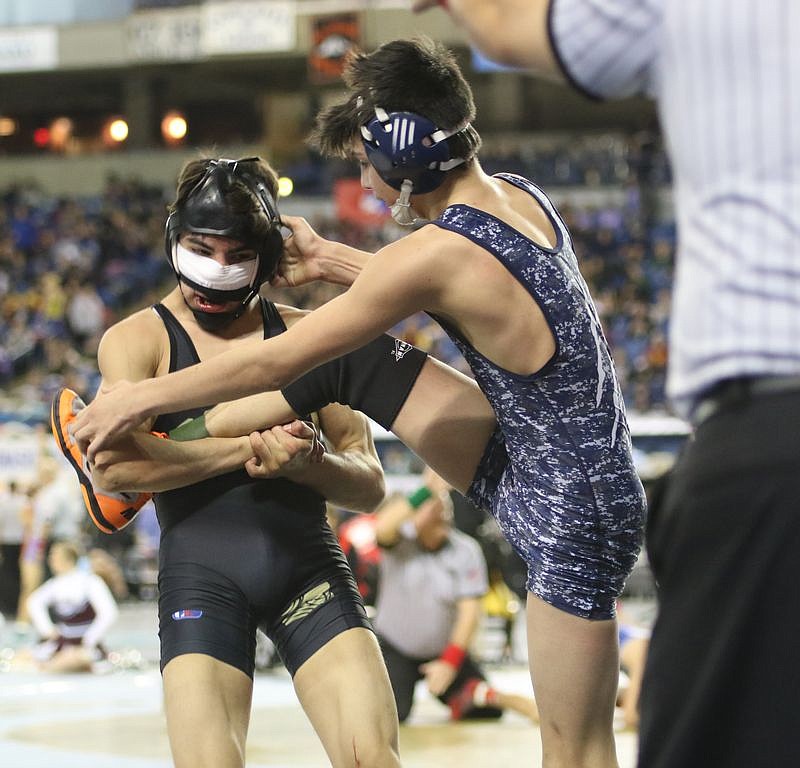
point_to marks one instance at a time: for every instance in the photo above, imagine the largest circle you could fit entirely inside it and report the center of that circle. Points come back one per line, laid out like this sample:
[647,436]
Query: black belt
[733,392]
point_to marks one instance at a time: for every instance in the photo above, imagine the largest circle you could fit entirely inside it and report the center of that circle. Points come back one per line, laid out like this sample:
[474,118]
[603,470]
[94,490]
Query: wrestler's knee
[374,750]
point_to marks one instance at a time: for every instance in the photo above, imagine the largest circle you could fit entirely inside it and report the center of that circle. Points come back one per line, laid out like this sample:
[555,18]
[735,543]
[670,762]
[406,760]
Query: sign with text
[248,26]
[166,35]
[19,457]
[26,49]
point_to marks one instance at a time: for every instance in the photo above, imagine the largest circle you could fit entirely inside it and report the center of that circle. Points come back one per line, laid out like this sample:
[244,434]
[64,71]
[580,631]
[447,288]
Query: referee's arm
[392,519]
[512,32]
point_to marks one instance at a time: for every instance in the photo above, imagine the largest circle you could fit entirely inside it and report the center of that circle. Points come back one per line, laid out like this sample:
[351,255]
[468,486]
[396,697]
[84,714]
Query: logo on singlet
[307,603]
[400,349]
[187,613]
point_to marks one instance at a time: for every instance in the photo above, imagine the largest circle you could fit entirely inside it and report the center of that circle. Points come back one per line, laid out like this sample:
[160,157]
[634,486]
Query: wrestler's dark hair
[419,76]
[240,198]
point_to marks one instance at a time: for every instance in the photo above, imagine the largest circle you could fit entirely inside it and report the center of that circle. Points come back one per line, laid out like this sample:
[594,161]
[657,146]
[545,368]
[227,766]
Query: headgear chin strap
[401,210]
[207,210]
[406,147]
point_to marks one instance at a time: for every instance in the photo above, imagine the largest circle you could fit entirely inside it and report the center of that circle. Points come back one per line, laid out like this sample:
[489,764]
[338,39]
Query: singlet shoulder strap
[182,351]
[537,192]
[273,322]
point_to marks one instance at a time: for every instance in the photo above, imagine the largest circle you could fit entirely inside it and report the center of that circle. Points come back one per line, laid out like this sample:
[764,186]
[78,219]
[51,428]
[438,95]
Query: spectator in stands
[86,315]
[114,241]
[14,505]
[111,244]
[37,534]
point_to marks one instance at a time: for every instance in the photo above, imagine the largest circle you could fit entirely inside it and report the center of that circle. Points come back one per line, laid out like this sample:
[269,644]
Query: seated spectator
[71,612]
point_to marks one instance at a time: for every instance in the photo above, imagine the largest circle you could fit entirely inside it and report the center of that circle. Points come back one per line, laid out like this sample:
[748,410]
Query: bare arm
[141,461]
[38,605]
[468,616]
[390,518]
[440,673]
[394,513]
[349,475]
[249,414]
[397,511]
[343,324]
[512,32]
[144,462]
[307,257]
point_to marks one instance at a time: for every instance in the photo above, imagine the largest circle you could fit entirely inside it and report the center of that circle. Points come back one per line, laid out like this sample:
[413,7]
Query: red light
[41,137]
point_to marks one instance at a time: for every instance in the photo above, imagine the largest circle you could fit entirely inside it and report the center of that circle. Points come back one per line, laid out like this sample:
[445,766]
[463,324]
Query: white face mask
[208,273]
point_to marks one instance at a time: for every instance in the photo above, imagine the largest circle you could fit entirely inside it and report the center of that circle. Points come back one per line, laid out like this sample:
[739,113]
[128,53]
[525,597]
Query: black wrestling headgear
[207,210]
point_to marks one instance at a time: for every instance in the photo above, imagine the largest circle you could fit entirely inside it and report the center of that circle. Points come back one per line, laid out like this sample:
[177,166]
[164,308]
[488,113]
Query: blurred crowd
[625,243]
[70,267]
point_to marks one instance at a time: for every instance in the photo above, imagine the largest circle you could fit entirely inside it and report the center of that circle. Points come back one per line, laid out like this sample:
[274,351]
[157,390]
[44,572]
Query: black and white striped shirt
[726,76]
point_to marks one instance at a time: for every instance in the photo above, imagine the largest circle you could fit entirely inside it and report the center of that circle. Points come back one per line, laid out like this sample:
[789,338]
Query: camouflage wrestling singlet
[567,496]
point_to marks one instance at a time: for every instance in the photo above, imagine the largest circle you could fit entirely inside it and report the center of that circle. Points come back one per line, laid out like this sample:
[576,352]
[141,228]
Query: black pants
[404,674]
[9,578]
[722,682]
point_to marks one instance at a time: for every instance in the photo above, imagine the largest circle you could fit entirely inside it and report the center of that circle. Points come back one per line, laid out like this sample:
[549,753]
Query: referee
[722,686]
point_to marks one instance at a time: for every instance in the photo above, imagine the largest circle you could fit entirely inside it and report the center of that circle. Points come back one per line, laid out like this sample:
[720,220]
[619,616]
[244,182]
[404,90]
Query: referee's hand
[439,676]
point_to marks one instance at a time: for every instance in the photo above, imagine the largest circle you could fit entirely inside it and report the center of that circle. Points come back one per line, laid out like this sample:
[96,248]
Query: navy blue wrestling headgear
[207,209]
[410,154]
[405,146]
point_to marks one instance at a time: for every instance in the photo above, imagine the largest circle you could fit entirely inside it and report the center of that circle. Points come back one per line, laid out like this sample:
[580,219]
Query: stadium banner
[19,457]
[249,26]
[165,35]
[27,49]
[141,4]
[332,38]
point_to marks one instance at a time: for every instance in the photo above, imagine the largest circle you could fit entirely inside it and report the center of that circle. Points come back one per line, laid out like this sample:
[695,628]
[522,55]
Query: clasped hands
[285,450]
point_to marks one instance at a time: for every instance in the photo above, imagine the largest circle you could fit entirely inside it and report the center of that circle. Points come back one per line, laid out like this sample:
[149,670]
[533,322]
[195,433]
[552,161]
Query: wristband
[453,655]
[195,429]
[419,497]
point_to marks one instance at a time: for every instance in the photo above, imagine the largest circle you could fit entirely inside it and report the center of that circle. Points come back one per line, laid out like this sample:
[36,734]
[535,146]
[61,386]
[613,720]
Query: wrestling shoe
[110,512]
[475,694]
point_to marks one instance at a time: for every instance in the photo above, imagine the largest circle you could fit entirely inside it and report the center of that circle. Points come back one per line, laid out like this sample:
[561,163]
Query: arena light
[115,131]
[41,137]
[118,130]
[174,127]
[285,186]
[8,126]
[60,132]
